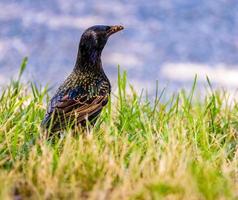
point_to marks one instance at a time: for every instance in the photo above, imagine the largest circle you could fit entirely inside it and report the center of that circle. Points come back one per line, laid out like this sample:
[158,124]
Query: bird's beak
[114,29]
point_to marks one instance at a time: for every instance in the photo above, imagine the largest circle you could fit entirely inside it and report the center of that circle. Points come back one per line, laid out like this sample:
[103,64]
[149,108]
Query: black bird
[86,90]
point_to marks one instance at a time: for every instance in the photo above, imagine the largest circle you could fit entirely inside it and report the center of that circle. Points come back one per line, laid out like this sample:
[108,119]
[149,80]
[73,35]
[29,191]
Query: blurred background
[165,40]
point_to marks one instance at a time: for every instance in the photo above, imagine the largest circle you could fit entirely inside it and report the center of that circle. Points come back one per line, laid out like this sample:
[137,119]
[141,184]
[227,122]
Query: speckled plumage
[86,90]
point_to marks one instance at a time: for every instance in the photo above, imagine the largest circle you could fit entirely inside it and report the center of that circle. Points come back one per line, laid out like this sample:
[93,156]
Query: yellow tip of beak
[114,29]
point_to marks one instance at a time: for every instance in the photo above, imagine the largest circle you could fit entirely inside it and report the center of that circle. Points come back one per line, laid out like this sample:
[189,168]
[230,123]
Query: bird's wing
[83,107]
[76,104]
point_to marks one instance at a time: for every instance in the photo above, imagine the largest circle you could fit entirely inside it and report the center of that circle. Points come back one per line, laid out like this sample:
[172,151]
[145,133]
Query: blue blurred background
[165,40]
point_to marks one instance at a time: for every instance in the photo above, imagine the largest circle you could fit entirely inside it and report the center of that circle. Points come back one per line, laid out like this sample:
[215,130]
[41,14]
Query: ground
[181,147]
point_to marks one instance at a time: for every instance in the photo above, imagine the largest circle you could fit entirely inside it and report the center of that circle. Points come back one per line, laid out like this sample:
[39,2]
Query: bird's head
[95,38]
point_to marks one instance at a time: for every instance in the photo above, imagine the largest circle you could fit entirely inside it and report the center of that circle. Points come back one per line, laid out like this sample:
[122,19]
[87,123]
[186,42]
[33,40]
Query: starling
[86,90]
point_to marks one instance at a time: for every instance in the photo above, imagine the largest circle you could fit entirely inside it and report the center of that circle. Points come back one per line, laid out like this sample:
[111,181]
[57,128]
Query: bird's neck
[89,61]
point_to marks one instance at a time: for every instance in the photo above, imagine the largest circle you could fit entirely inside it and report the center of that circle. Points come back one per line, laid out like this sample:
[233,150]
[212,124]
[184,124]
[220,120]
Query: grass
[182,148]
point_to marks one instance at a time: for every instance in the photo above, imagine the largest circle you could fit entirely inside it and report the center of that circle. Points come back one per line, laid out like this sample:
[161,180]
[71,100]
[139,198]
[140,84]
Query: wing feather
[76,110]
[75,105]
